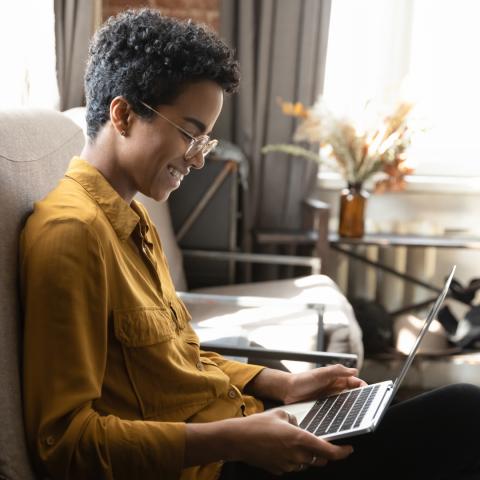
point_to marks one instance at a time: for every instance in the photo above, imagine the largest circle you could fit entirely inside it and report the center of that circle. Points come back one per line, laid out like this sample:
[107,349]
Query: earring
[123,133]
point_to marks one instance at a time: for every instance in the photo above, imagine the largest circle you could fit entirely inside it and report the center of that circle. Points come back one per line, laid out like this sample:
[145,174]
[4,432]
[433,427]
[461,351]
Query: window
[426,50]
[27,45]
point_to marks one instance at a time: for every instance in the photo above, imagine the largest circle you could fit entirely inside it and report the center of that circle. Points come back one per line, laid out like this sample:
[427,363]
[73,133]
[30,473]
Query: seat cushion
[278,327]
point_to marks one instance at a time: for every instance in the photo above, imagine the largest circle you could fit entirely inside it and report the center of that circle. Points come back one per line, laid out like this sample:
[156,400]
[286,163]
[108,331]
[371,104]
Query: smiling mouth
[175,173]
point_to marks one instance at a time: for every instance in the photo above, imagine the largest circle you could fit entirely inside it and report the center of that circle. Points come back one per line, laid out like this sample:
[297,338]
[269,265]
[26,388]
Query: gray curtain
[281,46]
[75,22]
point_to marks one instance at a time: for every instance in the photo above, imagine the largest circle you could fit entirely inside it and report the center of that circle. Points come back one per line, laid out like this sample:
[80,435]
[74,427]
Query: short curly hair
[143,55]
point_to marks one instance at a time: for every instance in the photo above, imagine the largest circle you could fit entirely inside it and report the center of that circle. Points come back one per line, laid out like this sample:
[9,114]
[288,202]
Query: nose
[197,161]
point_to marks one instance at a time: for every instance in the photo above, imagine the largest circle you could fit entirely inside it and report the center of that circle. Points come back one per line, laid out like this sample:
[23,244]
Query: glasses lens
[201,144]
[209,147]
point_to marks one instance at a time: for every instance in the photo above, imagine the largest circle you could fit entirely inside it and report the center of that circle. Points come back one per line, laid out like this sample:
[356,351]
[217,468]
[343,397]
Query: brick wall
[205,11]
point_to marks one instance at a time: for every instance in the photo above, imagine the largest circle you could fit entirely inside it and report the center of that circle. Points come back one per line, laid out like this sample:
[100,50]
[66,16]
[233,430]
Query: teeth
[175,173]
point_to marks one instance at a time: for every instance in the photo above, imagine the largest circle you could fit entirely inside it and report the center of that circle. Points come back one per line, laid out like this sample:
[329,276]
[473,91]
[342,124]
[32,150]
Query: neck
[101,154]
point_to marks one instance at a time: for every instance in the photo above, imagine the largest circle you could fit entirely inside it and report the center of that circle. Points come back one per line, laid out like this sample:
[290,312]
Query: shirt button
[200,365]
[231,393]
[50,440]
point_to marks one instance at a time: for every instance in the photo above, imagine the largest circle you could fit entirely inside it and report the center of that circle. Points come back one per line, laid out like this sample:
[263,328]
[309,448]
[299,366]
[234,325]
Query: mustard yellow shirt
[112,367]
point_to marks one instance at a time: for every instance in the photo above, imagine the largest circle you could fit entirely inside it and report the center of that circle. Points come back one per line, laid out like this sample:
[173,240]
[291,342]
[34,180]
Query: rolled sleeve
[239,373]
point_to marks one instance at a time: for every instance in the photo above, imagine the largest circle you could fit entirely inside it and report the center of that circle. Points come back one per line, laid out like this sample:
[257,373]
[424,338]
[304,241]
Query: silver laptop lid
[431,315]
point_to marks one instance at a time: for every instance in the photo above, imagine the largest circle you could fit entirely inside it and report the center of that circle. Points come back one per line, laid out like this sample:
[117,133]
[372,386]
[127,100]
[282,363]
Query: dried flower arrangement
[372,145]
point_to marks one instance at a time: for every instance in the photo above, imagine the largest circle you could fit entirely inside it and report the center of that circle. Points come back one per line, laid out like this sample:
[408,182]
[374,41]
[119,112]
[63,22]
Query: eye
[187,137]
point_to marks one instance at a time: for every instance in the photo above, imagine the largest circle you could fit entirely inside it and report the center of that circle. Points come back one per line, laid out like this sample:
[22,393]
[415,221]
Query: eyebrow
[200,125]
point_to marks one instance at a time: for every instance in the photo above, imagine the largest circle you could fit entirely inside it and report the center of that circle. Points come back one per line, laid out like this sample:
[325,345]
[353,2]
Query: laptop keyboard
[339,412]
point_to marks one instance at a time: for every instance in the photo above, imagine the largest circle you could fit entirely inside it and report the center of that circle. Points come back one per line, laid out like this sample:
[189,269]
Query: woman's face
[153,151]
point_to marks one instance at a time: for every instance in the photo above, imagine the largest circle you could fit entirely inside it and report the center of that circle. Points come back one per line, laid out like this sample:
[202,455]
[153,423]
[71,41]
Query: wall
[204,11]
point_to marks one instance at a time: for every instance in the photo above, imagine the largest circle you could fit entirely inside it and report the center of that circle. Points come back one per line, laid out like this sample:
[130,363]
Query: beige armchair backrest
[35,148]
[160,215]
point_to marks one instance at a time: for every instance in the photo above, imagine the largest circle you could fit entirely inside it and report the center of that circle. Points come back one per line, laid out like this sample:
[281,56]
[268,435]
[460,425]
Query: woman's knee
[464,391]
[461,400]
[457,402]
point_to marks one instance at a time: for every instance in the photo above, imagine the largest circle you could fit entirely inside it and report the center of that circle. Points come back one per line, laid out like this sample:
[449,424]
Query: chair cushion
[160,215]
[280,328]
[35,148]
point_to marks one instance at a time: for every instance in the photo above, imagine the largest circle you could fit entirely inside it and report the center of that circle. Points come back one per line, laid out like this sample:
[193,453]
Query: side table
[343,245]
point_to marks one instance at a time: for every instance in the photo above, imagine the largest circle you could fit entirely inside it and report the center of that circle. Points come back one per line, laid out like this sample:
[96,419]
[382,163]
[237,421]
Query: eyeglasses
[202,143]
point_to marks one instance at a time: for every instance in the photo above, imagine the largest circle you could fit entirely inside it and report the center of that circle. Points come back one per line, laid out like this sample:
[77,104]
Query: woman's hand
[272,441]
[309,385]
[313,384]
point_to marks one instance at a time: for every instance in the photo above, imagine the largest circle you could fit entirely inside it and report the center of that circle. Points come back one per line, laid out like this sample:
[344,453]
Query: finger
[324,449]
[310,459]
[282,414]
[354,382]
[289,417]
[292,419]
[335,452]
[320,462]
[340,370]
[292,467]
[316,461]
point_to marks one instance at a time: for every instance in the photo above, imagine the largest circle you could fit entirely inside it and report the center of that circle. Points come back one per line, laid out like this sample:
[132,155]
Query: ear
[120,115]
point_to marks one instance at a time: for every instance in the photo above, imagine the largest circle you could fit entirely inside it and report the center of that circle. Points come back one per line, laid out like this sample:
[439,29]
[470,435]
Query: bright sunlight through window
[422,50]
[27,43]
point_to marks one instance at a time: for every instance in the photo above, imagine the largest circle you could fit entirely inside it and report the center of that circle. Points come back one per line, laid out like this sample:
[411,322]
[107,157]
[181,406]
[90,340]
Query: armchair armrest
[312,262]
[249,301]
[320,358]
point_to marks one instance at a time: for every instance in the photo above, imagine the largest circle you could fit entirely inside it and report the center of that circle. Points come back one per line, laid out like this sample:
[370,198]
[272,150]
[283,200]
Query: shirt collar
[119,213]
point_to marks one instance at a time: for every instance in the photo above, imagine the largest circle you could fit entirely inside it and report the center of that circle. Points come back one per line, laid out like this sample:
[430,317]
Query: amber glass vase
[353,203]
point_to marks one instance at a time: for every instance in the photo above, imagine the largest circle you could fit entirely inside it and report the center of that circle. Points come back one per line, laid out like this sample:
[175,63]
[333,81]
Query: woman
[115,384]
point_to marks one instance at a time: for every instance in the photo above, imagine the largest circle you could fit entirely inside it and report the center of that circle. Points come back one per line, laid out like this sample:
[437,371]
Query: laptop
[360,410]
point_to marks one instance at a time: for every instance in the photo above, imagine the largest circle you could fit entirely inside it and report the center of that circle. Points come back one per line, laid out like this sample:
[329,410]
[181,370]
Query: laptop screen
[431,315]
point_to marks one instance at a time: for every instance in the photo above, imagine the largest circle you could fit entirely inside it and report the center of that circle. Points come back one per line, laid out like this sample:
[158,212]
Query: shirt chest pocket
[149,339]
[144,327]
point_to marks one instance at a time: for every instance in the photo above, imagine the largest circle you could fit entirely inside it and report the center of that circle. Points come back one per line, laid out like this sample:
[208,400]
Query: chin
[160,196]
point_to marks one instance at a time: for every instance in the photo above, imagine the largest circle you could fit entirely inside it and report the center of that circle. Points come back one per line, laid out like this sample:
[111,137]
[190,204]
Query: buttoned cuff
[241,373]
